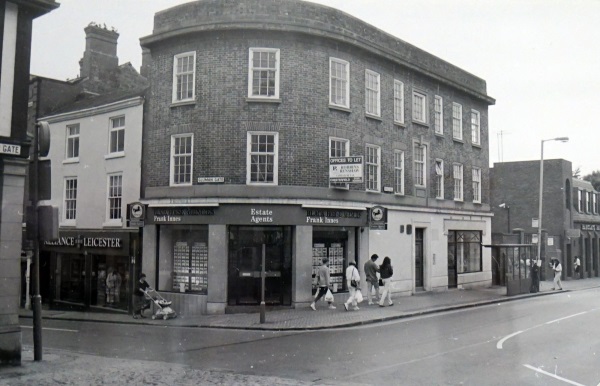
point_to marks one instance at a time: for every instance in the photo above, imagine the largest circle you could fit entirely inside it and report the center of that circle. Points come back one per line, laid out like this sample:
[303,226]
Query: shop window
[333,245]
[465,247]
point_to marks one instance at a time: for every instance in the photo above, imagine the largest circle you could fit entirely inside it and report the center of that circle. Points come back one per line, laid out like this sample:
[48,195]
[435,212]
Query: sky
[539,58]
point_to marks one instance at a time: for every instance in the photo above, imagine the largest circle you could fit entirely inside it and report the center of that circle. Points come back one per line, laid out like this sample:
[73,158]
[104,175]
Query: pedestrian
[386,270]
[111,281]
[323,282]
[371,270]
[557,267]
[353,282]
[140,301]
[535,276]
[577,264]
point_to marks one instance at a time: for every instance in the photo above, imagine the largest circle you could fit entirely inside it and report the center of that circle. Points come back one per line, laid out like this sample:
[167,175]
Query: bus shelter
[514,266]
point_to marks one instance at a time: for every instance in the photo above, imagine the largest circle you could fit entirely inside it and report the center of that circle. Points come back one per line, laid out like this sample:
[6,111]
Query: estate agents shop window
[246,246]
[465,246]
[183,259]
[332,243]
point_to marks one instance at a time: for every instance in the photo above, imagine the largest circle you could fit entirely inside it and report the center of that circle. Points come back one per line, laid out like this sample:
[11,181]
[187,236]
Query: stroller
[163,306]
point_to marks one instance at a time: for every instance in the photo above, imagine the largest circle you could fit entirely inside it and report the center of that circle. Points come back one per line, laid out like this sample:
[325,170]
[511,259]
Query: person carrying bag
[353,282]
[323,284]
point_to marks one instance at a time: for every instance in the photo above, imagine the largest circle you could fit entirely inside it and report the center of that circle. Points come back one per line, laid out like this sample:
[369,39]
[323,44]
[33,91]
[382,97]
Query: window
[181,159]
[419,113]
[420,156]
[398,172]
[595,204]
[458,182]
[339,147]
[439,178]
[339,82]
[465,247]
[579,200]
[372,93]
[398,101]
[263,73]
[117,135]
[72,142]
[589,202]
[262,158]
[70,204]
[456,121]
[477,185]
[115,196]
[184,75]
[475,131]
[438,118]
[373,166]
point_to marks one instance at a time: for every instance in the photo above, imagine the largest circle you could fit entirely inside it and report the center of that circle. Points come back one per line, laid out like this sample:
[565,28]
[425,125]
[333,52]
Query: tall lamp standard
[539,250]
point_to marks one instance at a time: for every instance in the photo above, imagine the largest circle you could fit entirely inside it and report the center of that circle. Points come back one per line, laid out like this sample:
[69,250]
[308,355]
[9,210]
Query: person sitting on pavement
[323,282]
[353,282]
[141,303]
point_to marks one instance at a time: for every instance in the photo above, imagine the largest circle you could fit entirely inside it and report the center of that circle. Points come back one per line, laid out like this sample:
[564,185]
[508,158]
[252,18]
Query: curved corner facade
[250,103]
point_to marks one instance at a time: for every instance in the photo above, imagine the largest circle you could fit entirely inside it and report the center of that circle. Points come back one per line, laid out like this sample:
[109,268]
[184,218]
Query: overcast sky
[540,58]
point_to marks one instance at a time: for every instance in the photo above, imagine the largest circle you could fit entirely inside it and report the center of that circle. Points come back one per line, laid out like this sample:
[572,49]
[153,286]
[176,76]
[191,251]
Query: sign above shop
[7,148]
[590,227]
[346,170]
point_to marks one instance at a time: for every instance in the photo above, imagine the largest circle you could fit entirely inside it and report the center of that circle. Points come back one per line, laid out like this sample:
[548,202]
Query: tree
[594,178]
[577,173]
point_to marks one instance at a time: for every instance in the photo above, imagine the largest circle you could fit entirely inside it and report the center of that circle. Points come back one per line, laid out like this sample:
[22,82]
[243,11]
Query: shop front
[223,249]
[90,269]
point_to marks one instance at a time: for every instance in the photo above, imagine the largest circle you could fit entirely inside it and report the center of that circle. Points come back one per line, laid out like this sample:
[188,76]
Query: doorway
[419,232]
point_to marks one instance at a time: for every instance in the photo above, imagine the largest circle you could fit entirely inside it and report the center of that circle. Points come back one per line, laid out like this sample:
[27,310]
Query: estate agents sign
[347,170]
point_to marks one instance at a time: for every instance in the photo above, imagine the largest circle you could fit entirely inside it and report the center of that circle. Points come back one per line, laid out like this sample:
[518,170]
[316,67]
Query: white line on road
[501,341]
[566,317]
[53,329]
[553,375]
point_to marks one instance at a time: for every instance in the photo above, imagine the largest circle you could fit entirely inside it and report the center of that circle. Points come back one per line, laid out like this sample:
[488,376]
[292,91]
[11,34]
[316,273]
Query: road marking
[566,317]
[53,329]
[501,341]
[553,375]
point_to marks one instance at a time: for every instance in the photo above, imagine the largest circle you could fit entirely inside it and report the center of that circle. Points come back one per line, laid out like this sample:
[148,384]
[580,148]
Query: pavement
[72,368]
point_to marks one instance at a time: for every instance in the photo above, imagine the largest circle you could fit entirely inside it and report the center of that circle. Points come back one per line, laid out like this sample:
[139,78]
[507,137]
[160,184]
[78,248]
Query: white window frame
[419,107]
[176,155]
[457,121]
[399,172]
[180,74]
[345,145]
[439,179]
[251,69]
[579,201]
[273,154]
[398,102]
[420,165]
[114,194]
[372,168]
[340,83]
[116,130]
[475,127]
[69,216]
[72,143]
[477,185]
[458,181]
[372,93]
[438,115]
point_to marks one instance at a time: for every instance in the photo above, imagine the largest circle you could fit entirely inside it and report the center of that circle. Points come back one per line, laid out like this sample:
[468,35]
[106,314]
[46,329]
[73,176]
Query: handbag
[381,282]
[353,282]
[358,296]
[329,296]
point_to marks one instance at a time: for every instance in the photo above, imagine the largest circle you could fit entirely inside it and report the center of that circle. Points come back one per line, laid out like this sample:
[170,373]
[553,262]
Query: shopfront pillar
[217,269]
[302,272]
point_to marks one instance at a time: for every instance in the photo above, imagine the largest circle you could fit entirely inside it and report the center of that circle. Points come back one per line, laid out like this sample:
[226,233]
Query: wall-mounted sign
[211,180]
[590,227]
[137,214]
[7,148]
[346,170]
[378,218]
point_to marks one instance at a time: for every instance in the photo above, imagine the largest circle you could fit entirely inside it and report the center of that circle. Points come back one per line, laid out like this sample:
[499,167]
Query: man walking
[323,285]
[371,270]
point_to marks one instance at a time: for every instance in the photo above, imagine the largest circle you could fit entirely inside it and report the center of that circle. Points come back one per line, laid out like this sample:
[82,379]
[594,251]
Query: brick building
[249,102]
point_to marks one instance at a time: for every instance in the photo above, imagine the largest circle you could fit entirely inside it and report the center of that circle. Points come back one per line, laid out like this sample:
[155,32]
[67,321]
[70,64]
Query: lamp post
[504,206]
[539,250]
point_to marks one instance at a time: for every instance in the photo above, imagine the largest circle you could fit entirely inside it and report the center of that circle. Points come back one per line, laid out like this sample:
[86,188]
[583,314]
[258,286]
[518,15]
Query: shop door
[245,265]
[109,290]
[71,283]
[452,271]
[418,257]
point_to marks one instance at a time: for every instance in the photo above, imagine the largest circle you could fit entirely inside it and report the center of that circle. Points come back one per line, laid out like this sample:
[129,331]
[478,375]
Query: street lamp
[504,206]
[539,250]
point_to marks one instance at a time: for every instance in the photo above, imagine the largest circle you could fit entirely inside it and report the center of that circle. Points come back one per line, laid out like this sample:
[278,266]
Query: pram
[163,306]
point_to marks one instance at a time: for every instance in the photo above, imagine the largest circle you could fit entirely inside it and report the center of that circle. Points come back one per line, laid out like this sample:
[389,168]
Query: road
[547,340]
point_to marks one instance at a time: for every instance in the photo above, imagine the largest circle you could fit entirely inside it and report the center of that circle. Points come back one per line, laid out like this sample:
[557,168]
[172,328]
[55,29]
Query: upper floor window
[262,158]
[339,147]
[372,93]
[457,121]
[184,75]
[339,82]
[595,204]
[263,73]
[580,200]
[115,196]
[117,135]
[398,172]
[70,200]
[438,117]
[181,159]
[475,128]
[589,202]
[398,101]
[458,182]
[419,110]
[72,142]
[420,157]
[373,166]
[477,185]
[439,178]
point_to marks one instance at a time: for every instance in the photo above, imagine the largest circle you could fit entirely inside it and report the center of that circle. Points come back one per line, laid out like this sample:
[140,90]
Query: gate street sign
[346,170]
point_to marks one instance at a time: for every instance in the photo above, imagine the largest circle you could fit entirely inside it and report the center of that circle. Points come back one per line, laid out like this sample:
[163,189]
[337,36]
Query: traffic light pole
[37,298]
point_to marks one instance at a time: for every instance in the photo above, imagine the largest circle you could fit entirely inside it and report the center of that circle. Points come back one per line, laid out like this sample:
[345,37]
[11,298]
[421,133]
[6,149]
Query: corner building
[249,100]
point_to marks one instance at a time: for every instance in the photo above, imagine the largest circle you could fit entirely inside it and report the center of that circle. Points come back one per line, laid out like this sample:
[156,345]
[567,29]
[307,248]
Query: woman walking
[353,282]
[557,267]
[386,271]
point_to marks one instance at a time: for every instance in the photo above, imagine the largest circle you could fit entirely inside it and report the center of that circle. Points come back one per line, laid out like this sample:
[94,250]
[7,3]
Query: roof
[90,101]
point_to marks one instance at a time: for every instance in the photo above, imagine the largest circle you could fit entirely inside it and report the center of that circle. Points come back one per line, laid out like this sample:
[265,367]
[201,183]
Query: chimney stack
[146,62]
[100,52]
